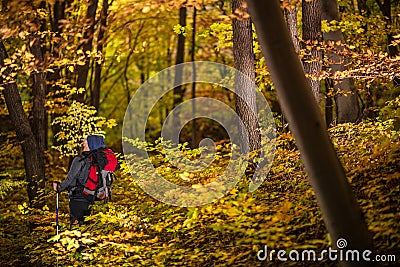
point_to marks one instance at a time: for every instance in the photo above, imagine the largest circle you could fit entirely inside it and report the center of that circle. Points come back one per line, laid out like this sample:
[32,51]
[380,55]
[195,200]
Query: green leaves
[8,185]
[179,29]
[222,32]
[79,122]
[134,229]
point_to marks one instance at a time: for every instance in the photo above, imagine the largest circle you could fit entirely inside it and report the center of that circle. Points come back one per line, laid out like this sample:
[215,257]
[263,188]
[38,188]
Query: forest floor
[136,230]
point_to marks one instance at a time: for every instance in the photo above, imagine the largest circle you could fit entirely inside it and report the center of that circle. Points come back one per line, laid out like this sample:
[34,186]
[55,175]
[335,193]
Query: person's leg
[72,213]
[78,211]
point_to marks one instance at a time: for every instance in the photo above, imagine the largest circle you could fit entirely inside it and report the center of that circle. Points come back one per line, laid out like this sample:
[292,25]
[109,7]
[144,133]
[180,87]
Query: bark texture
[311,19]
[87,44]
[95,98]
[243,56]
[32,157]
[291,20]
[39,115]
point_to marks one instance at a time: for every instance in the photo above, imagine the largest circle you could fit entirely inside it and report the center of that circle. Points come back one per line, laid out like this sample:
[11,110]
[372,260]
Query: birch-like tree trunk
[341,213]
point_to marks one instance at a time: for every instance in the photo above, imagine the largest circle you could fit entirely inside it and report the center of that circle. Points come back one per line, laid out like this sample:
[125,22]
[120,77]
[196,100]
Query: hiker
[79,202]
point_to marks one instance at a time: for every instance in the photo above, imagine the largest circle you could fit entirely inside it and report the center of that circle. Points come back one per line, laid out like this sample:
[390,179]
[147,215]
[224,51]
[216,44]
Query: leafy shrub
[134,229]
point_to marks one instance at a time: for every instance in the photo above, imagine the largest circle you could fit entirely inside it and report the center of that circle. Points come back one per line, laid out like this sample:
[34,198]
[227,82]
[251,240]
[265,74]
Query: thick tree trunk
[243,56]
[312,35]
[86,47]
[39,121]
[39,116]
[348,109]
[340,210]
[32,154]
[95,100]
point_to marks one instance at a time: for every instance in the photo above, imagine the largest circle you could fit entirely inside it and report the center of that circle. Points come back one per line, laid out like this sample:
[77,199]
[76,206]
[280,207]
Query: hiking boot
[81,248]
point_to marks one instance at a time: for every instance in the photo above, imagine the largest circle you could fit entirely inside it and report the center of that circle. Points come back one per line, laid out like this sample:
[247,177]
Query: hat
[95,142]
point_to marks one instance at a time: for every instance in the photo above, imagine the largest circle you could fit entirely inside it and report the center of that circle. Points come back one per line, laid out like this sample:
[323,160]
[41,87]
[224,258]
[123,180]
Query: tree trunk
[180,55]
[363,7]
[291,20]
[243,56]
[366,111]
[348,109]
[87,43]
[58,14]
[32,156]
[95,100]
[39,122]
[39,116]
[328,102]
[131,51]
[339,207]
[386,10]
[311,19]
[194,126]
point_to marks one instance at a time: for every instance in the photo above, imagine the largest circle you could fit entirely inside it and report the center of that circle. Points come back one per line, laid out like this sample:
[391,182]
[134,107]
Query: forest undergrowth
[136,230]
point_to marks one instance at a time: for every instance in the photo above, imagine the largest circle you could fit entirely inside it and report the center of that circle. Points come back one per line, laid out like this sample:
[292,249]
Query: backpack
[100,176]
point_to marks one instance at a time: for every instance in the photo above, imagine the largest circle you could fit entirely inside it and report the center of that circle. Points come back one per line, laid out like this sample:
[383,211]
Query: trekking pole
[57,223]
[56,213]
